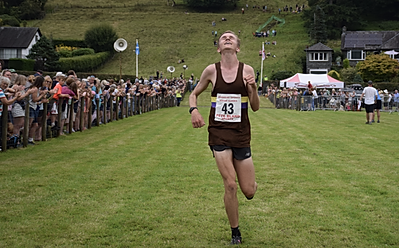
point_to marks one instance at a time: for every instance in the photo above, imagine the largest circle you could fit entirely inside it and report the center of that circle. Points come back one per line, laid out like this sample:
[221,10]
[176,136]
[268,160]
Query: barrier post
[81,117]
[26,123]
[122,99]
[111,108]
[97,111]
[89,115]
[3,128]
[70,117]
[117,108]
[105,110]
[44,122]
[59,102]
[131,105]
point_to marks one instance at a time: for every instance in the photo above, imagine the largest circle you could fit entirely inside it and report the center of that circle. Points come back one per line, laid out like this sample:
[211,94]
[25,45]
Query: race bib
[228,108]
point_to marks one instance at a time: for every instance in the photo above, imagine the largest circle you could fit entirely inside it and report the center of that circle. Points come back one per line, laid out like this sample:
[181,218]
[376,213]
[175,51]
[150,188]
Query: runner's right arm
[207,77]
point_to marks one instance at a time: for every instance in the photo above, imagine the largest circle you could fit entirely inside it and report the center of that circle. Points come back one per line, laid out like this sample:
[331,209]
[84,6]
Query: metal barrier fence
[83,114]
[310,103]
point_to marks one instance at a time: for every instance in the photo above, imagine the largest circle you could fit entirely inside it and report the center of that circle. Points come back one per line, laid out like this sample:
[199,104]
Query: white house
[16,42]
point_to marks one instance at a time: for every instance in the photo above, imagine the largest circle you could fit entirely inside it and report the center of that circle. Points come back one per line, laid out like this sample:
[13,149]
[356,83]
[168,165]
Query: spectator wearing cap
[57,94]
[57,76]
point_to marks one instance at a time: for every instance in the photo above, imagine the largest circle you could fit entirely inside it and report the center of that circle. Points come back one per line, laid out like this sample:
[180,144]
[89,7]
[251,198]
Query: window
[10,53]
[356,55]
[318,56]
[318,71]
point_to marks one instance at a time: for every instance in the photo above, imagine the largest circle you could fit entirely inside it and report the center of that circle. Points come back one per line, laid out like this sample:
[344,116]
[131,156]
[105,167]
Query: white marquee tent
[300,80]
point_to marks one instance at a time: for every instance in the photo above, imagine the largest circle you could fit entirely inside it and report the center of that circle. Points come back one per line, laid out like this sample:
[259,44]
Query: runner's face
[228,41]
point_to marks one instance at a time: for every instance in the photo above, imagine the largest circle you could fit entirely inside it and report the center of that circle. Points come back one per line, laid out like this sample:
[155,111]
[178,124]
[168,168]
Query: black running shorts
[369,108]
[238,153]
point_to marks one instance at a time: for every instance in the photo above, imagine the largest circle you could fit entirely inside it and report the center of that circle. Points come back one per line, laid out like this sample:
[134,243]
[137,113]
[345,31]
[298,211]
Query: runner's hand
[196,119]
[250,81]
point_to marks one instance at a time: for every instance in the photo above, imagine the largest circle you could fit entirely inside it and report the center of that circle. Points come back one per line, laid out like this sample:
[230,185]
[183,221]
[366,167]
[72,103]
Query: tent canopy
[300,80]
[392,52]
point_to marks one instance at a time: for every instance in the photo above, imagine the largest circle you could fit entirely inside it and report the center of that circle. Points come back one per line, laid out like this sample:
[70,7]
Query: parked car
[357,87]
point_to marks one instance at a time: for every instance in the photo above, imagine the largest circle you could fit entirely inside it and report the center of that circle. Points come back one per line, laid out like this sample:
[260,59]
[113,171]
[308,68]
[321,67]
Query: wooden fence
[114,109]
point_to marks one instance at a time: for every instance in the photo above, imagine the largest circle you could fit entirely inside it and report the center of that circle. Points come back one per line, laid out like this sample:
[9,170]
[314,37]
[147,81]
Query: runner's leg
[224,161]
[246,176]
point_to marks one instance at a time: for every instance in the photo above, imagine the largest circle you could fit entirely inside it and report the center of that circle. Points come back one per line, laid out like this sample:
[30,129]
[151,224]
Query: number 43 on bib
[228,108]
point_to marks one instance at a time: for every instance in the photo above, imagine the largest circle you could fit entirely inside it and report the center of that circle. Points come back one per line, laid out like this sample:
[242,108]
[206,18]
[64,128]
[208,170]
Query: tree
[349,74]
[378,68]
[23,9]
[337,14]
[32,9]
[319,29]
[101,38]
[211,5]
[45,55]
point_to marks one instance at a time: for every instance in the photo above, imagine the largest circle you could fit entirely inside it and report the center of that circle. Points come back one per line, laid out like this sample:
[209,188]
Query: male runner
[233,85]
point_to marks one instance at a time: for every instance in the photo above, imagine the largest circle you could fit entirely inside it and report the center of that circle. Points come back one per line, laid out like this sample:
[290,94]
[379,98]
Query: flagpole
[261,66]
[137,58]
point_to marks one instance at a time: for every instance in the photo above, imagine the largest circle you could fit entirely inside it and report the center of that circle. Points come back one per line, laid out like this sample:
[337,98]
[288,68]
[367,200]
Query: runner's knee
[231,186]
[250,191]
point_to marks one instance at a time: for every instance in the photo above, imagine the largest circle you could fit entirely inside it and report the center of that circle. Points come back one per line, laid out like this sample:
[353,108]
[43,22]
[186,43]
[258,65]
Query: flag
[263,52]
[137,48]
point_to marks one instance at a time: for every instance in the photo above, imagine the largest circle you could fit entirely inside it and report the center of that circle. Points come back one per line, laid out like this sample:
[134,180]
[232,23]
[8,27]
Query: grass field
[167,34]
[325,180]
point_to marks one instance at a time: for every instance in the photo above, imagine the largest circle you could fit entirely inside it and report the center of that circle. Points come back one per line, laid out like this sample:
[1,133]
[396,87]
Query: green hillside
[167,34]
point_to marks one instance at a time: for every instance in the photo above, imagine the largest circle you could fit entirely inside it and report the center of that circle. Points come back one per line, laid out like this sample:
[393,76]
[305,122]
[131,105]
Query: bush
[65,53]
[345,63]
[22,64]
[82,51]
[101,38]
[9,21]
[84,63]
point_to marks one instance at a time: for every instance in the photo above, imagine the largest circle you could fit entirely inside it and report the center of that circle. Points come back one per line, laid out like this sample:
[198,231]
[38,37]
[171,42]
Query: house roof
[318,47]
[15,37]
[370,40]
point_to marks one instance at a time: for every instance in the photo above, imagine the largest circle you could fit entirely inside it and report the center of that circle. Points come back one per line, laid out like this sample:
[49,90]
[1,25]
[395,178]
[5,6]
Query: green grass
[325,180]
[167,34]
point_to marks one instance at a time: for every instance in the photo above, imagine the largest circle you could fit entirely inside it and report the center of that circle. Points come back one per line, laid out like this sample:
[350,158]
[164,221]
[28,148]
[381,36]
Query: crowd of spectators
[65,91]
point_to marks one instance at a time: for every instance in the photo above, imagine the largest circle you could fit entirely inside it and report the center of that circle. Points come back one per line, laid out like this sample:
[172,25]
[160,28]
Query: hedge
[82,51]
[22,64]
[84,63]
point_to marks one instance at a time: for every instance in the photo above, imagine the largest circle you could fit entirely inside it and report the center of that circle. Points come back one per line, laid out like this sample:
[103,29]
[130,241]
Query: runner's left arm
[249,78]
